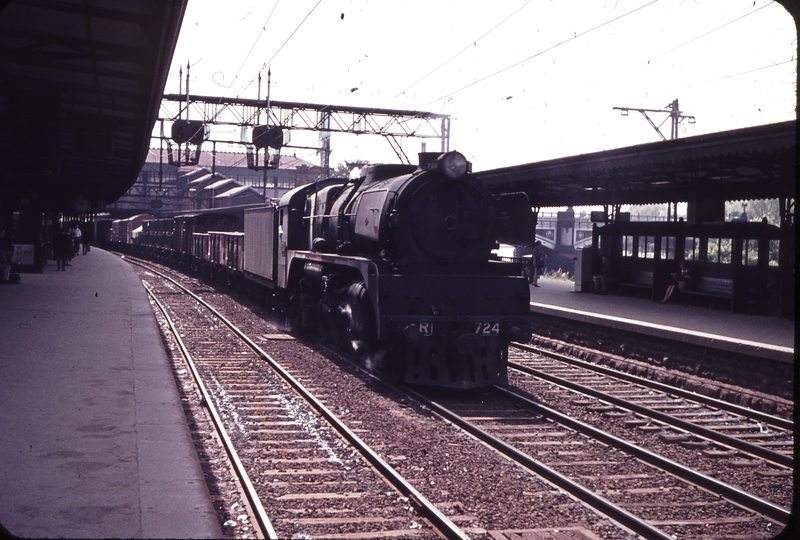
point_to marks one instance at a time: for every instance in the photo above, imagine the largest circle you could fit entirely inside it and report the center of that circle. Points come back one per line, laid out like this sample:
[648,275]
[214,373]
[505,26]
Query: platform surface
[679,320]
[94,440]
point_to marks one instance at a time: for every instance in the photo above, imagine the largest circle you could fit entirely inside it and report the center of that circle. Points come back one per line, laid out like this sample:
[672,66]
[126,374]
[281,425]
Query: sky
[523,80]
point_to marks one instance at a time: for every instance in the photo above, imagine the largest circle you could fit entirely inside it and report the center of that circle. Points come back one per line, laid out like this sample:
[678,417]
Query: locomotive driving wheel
[362,332]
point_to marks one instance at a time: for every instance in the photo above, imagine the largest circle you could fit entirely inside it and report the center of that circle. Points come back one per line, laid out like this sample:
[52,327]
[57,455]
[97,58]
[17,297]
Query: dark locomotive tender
[396,266]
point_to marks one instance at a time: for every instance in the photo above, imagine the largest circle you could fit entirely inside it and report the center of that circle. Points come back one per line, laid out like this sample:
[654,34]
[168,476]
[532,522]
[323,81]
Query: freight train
[394,266]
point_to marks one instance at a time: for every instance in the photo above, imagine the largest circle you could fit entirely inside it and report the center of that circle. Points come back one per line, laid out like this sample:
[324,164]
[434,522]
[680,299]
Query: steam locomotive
[395,267]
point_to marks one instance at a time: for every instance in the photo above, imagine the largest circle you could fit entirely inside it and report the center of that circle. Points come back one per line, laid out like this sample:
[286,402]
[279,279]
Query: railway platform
[758,334]
[94,440]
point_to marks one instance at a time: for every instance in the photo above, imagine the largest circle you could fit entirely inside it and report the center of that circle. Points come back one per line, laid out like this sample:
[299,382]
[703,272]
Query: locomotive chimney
[427,157]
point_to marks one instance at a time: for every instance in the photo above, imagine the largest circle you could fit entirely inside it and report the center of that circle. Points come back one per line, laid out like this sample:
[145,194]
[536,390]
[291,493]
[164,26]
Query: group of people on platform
[68,243]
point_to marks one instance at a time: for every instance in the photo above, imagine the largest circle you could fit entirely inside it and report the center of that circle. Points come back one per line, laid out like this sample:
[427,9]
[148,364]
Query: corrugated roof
[222,183]
[237,191]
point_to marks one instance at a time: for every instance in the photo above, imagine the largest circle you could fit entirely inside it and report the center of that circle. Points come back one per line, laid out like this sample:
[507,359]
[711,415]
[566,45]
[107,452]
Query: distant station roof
[751,163]
[80,88]
[239,159]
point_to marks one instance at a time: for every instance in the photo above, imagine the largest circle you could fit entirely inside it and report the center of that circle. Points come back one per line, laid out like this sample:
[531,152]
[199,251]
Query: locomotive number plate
[487,328]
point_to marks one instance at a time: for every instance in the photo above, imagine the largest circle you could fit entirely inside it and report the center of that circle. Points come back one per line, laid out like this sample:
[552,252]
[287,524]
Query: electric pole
[674,112]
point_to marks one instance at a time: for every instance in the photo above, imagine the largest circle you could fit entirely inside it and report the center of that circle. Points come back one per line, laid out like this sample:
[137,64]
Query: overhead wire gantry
[392,124]
[675,114]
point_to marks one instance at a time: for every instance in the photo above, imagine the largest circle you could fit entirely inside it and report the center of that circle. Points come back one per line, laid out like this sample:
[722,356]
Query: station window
[719,250]
[691,248]
[667,247]
[774,250]
[627,246]
[646,247]
[285,182]
[750,252]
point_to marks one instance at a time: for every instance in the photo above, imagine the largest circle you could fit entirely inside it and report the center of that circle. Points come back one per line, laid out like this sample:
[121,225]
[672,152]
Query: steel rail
[259,513]
[424,506]
[718,403]
[591,498]
[740,497]
[721,438]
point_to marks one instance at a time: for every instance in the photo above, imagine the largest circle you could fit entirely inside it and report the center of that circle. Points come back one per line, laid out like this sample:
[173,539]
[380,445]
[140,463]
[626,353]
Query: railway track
[254,508]
[486,496]
[742,447]
[316,484]
[648,493]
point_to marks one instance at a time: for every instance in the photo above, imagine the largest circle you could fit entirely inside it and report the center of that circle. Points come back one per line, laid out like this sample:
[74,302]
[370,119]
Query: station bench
[641,281]
[719,290]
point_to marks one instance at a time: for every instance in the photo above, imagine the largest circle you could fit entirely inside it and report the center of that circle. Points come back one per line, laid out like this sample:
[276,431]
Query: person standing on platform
[85,242]
[75,234]
[62,248]
[6,252]
[538,262]
[527,269]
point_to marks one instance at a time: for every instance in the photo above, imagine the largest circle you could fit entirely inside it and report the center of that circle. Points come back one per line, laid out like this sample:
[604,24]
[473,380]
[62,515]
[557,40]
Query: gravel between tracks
[483,493]
[751,474]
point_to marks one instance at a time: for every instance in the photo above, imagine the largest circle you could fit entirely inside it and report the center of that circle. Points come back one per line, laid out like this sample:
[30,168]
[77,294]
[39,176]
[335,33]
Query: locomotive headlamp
[452,165]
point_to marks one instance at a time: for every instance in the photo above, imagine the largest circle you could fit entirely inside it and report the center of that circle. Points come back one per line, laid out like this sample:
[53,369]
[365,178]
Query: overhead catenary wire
[446,68]
[574,37]
[268,62]
[260,33]
[265,64]
[563,95]
[472,43]
[669,92]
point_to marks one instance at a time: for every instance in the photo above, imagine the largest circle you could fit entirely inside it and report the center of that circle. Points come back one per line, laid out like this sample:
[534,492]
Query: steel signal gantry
[392,124]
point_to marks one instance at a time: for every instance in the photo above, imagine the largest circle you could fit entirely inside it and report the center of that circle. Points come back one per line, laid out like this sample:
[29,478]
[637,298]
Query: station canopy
[80,89]
[751,163]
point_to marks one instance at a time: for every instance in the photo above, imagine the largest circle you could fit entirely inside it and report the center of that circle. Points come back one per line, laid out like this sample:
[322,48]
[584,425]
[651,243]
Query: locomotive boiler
[396,266]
